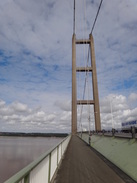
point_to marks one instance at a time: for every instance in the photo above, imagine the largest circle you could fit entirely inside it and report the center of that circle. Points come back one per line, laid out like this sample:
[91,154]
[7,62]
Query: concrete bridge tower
[92,69]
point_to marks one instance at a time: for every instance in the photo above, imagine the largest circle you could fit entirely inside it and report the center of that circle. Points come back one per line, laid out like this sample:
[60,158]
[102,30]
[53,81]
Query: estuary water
[18,152]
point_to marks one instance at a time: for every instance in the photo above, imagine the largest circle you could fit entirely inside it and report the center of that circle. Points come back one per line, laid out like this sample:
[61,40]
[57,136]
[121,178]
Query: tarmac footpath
[82,165]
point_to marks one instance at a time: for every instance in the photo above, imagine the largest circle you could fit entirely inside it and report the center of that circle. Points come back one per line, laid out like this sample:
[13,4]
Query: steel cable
[96,16]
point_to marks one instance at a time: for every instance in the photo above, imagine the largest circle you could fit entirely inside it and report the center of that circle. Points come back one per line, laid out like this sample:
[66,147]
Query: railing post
[61,149]
[133,130]
[49,168]
[26,179]
[57,155]
[113,132]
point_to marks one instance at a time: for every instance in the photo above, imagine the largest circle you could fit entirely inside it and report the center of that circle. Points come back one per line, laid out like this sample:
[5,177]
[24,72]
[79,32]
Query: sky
[35,63]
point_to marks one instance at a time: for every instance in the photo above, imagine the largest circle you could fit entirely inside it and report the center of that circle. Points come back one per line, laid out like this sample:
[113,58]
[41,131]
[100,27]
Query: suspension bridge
[90,157]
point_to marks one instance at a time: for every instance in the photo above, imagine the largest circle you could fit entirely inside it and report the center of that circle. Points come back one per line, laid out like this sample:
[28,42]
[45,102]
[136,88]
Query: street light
[112,112]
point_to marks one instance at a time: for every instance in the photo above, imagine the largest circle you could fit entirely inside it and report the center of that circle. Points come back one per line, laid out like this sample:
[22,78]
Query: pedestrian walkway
[82,165]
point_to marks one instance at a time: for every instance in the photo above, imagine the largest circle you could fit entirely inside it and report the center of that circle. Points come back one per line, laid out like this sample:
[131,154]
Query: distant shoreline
[20,134]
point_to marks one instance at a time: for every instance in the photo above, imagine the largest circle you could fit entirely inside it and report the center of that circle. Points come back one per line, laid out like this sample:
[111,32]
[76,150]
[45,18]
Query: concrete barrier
[120,151]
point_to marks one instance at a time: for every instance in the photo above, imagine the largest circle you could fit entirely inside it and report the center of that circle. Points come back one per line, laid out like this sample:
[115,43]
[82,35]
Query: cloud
[133,96]
[115,53]
[35,61]
[2,103]
[63,105]
[115,109]
[19,107]
[19,117]
[36,28]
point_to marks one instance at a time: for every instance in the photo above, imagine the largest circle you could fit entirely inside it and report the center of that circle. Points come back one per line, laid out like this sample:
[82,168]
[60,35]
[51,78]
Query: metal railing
[43,169]
[130,133]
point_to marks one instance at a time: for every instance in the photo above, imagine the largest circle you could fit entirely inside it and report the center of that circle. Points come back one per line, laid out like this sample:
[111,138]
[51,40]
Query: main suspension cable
[96,16]
[74,26]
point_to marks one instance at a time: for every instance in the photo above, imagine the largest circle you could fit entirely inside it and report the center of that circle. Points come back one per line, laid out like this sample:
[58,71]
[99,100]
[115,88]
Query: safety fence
[43,169]
[130,132]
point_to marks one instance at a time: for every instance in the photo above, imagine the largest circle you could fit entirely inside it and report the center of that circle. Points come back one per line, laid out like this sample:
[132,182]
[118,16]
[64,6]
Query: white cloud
[37,27]
[132,100]
[22,118]
[35,61]
[63,105]
[19,107]
[120,111]
[2,103]
[19,117]
[133,97]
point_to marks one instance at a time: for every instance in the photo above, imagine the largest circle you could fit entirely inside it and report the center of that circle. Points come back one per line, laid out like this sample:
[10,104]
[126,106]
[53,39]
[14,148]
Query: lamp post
[112,112]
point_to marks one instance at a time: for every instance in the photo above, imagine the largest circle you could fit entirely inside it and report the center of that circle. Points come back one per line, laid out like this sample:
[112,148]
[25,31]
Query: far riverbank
[22,134]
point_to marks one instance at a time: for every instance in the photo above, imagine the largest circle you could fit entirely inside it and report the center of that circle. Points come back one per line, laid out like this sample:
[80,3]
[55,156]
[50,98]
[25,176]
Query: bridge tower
[92,69]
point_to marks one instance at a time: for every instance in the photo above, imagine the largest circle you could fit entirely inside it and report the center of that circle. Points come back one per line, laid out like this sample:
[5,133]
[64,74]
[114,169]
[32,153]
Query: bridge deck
[82,165]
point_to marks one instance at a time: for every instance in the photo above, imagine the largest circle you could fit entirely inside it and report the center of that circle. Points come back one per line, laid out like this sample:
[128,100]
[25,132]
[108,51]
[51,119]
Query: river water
[18,152]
